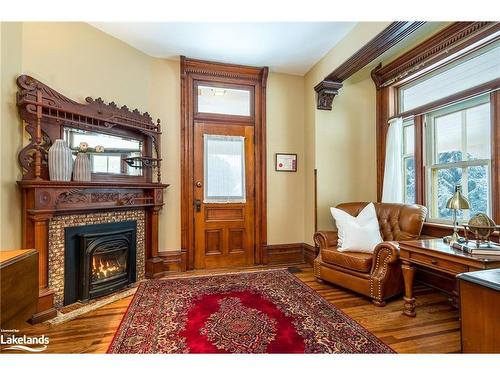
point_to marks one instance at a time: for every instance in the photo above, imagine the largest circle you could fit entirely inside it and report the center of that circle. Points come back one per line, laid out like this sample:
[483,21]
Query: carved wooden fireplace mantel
[47,115]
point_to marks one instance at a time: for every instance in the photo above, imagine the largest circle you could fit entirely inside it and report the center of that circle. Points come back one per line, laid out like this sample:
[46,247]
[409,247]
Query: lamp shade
[458,201]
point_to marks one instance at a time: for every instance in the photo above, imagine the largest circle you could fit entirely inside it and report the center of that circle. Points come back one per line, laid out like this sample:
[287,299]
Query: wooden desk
[436,255]
[479,309]
[18,286]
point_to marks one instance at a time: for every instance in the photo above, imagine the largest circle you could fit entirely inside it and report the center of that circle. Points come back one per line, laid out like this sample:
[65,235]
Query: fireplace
[99,259]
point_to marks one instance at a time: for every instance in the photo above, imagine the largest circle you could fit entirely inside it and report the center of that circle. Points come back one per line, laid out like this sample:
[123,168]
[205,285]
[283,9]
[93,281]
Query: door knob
[197,205]
[199,184]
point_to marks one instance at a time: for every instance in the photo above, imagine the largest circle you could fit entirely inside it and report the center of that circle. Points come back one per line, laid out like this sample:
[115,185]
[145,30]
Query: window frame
[201,116]
[431,167]
[482,49]
[434,53]
[405,156]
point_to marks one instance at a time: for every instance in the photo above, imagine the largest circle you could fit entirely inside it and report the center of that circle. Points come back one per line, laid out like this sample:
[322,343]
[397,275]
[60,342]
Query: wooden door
[222,100]
[224,202]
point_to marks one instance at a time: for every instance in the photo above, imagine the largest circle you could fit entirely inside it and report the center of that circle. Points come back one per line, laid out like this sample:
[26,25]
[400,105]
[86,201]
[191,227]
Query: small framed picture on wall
[286,162]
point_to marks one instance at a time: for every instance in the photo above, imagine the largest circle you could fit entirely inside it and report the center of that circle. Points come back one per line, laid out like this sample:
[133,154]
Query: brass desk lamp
[456,202]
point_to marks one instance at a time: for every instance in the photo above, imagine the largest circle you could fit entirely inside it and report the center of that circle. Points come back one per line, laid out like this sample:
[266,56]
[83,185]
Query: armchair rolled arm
[384,264]
[325,239]
[385,253]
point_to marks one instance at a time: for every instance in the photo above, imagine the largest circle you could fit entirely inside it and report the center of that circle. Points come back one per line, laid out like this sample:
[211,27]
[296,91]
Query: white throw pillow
[360,233]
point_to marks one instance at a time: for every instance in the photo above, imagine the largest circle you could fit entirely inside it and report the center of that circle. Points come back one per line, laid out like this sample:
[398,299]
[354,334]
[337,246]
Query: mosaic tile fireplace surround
[57,260]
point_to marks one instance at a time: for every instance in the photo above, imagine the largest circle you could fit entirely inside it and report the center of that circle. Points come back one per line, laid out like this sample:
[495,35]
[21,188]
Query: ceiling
[286,47]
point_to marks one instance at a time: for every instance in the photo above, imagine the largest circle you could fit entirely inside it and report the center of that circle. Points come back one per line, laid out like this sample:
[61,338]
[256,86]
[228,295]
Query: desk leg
[409,300]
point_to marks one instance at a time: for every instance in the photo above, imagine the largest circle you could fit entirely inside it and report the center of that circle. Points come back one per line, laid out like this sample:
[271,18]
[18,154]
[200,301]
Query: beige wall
[285,129]
[11,136]
[79,60]
[340,143]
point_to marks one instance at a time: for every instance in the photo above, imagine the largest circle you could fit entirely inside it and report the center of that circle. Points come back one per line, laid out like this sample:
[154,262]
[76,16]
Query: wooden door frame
[193,70]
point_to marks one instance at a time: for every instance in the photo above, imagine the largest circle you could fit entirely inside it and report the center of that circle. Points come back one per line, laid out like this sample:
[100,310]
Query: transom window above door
[224,100]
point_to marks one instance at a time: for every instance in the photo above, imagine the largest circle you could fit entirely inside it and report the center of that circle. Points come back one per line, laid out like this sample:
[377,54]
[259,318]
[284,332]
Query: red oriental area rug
[254,312]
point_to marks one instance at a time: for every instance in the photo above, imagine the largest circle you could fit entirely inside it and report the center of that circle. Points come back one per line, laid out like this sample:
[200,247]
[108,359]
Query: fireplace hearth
[99,259]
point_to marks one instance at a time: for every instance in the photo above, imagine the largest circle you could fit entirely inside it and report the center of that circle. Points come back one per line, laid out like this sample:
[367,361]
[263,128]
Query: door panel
[224,222]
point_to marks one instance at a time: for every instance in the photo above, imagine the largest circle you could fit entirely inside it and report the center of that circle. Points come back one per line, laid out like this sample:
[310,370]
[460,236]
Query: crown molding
[438,47]
[389,37]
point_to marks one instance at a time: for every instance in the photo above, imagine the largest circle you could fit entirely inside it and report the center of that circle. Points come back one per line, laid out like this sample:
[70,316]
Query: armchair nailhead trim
[375,280]
[316,266]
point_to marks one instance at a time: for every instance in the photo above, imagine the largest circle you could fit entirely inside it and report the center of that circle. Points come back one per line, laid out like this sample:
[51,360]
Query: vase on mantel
[81,169]
[60,161]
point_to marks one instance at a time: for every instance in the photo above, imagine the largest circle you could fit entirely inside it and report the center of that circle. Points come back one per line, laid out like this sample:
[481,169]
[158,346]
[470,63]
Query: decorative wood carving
[389,37]
[438,47]
[45,111]
[227,71]
[326,93]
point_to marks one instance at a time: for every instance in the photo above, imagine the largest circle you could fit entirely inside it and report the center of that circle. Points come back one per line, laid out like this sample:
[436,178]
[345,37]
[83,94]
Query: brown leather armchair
[376,275]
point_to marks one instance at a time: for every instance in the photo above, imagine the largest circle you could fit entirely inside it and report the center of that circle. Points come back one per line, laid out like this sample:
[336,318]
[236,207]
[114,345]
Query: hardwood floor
[435,329]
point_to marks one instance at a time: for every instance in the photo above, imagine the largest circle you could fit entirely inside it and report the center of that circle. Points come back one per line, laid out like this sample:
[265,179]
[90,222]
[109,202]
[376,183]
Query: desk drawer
[439,263]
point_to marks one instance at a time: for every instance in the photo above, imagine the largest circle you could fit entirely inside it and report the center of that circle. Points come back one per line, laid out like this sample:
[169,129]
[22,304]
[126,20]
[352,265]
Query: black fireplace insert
[99,259]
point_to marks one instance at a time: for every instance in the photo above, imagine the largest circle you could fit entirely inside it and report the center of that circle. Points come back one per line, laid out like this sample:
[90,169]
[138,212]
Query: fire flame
[106,268]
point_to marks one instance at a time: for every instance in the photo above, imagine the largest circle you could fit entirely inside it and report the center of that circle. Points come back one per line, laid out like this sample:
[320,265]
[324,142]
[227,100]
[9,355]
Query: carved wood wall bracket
[44,111]
[385,40]
[326,91]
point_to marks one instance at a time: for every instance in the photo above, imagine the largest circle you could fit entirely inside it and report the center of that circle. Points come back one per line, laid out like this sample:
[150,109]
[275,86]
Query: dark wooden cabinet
[19,287]
[480,311]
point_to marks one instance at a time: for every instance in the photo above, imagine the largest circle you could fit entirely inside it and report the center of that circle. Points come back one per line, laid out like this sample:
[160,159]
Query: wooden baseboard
[45,308]
[289,253]
[310,253]
[165,262]
[280,254]
[284,254]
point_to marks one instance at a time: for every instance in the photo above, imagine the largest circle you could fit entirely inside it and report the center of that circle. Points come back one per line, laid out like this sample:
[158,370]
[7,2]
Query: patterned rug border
[283,271]
[220,273]
[345,315]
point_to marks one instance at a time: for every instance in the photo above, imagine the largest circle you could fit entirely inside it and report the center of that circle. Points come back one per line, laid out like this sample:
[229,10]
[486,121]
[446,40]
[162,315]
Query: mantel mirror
[107,153]
[123,145]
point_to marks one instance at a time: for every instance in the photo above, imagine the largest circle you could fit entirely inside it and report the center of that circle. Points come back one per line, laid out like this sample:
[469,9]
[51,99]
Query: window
[472,70]
[459,153]
[447,92]
[224,167]
[223,100]
[409,186]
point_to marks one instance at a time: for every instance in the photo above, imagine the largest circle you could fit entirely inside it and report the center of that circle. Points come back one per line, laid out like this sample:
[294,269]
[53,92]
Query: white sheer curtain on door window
[393,173]
[224,164]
